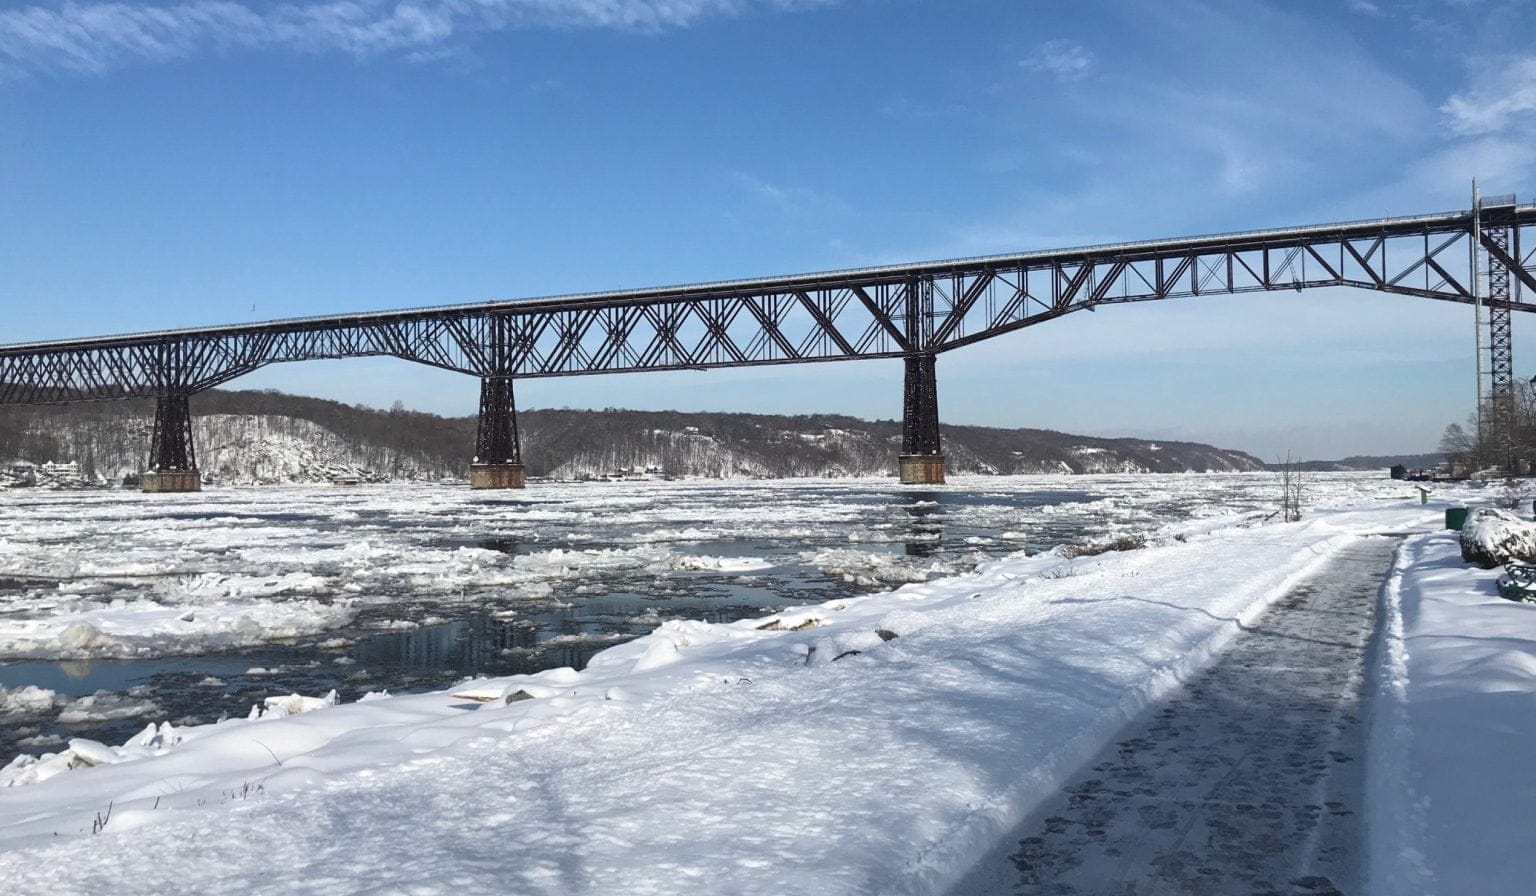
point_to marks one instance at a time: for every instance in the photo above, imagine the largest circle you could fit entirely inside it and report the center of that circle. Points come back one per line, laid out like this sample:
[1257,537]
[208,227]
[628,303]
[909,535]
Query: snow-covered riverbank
[1454,739]
[870,744]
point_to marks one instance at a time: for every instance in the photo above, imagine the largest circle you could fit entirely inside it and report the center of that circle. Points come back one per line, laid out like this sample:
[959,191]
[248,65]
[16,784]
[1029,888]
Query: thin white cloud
[98,37]
[1064,59]
[1198,127]
[1502,96]
[1270,120]
[792,201]
[907,109]
[1441,180]
[1243,166]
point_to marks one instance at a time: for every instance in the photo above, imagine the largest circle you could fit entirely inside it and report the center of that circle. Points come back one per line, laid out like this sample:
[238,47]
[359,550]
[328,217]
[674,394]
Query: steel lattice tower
[170,448]
[1501,362]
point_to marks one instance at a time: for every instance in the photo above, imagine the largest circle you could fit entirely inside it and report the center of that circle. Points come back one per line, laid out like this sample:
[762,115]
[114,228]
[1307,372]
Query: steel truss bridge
[1482,256]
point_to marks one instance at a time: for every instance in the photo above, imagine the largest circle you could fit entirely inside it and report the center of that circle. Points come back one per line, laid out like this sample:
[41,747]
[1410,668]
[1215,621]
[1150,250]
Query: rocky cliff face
[572,444]
[233,448]
[261,437]
[271,449]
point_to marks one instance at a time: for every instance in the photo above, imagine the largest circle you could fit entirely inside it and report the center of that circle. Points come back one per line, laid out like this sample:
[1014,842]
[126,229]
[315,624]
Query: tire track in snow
[1249,779]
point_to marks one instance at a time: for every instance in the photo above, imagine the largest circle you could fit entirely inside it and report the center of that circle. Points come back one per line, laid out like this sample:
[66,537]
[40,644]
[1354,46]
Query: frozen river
[130,608]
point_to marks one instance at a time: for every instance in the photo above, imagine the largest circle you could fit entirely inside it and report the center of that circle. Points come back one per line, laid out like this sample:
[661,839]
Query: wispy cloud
[907,109]
[1064,59]
[98,37]
[1196,132]
[1271,121]
[1500,97]
[792,201]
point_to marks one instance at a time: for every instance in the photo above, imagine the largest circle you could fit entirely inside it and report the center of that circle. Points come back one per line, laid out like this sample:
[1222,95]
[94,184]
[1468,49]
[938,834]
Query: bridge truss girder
[914,312]
[876,313]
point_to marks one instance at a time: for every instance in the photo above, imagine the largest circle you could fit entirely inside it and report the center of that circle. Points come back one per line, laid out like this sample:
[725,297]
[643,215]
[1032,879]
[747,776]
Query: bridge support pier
[498,460]
[922,460]
[172,459]
[1499,243]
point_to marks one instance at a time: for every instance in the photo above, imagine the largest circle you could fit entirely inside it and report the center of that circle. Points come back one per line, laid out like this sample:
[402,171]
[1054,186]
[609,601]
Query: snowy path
[1246,780]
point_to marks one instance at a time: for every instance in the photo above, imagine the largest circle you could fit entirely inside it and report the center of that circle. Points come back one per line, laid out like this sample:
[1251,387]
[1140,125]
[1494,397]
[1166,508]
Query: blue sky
[202,162]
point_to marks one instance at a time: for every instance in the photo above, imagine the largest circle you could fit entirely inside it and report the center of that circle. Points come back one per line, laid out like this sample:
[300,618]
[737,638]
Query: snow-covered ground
[876,743]
[1454,739]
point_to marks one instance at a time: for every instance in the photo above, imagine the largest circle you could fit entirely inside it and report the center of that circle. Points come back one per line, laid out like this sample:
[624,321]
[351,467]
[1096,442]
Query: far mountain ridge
[268,436]
[1367,462]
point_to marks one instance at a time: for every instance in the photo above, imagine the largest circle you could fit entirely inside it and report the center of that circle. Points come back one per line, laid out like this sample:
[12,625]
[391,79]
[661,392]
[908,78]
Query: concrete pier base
[496,476]
[922,469]
[171,481]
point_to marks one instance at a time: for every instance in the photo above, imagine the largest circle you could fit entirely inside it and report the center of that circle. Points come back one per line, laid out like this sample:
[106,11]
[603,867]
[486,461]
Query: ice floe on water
[29,700]
[105,705]
[129,575]
[75,626]
[875,569]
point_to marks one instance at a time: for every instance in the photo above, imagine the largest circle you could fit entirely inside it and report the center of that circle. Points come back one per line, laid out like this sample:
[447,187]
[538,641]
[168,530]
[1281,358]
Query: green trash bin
[1455,518]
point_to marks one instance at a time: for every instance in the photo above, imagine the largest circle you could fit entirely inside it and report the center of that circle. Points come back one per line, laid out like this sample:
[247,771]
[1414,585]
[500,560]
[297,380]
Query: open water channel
[190,608]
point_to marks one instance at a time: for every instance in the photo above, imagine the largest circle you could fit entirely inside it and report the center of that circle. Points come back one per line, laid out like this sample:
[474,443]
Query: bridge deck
[1442,222]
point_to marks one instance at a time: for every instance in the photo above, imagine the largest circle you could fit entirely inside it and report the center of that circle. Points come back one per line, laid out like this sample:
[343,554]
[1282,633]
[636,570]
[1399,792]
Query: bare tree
[1292,480]
[1458,445]
[1503,435]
